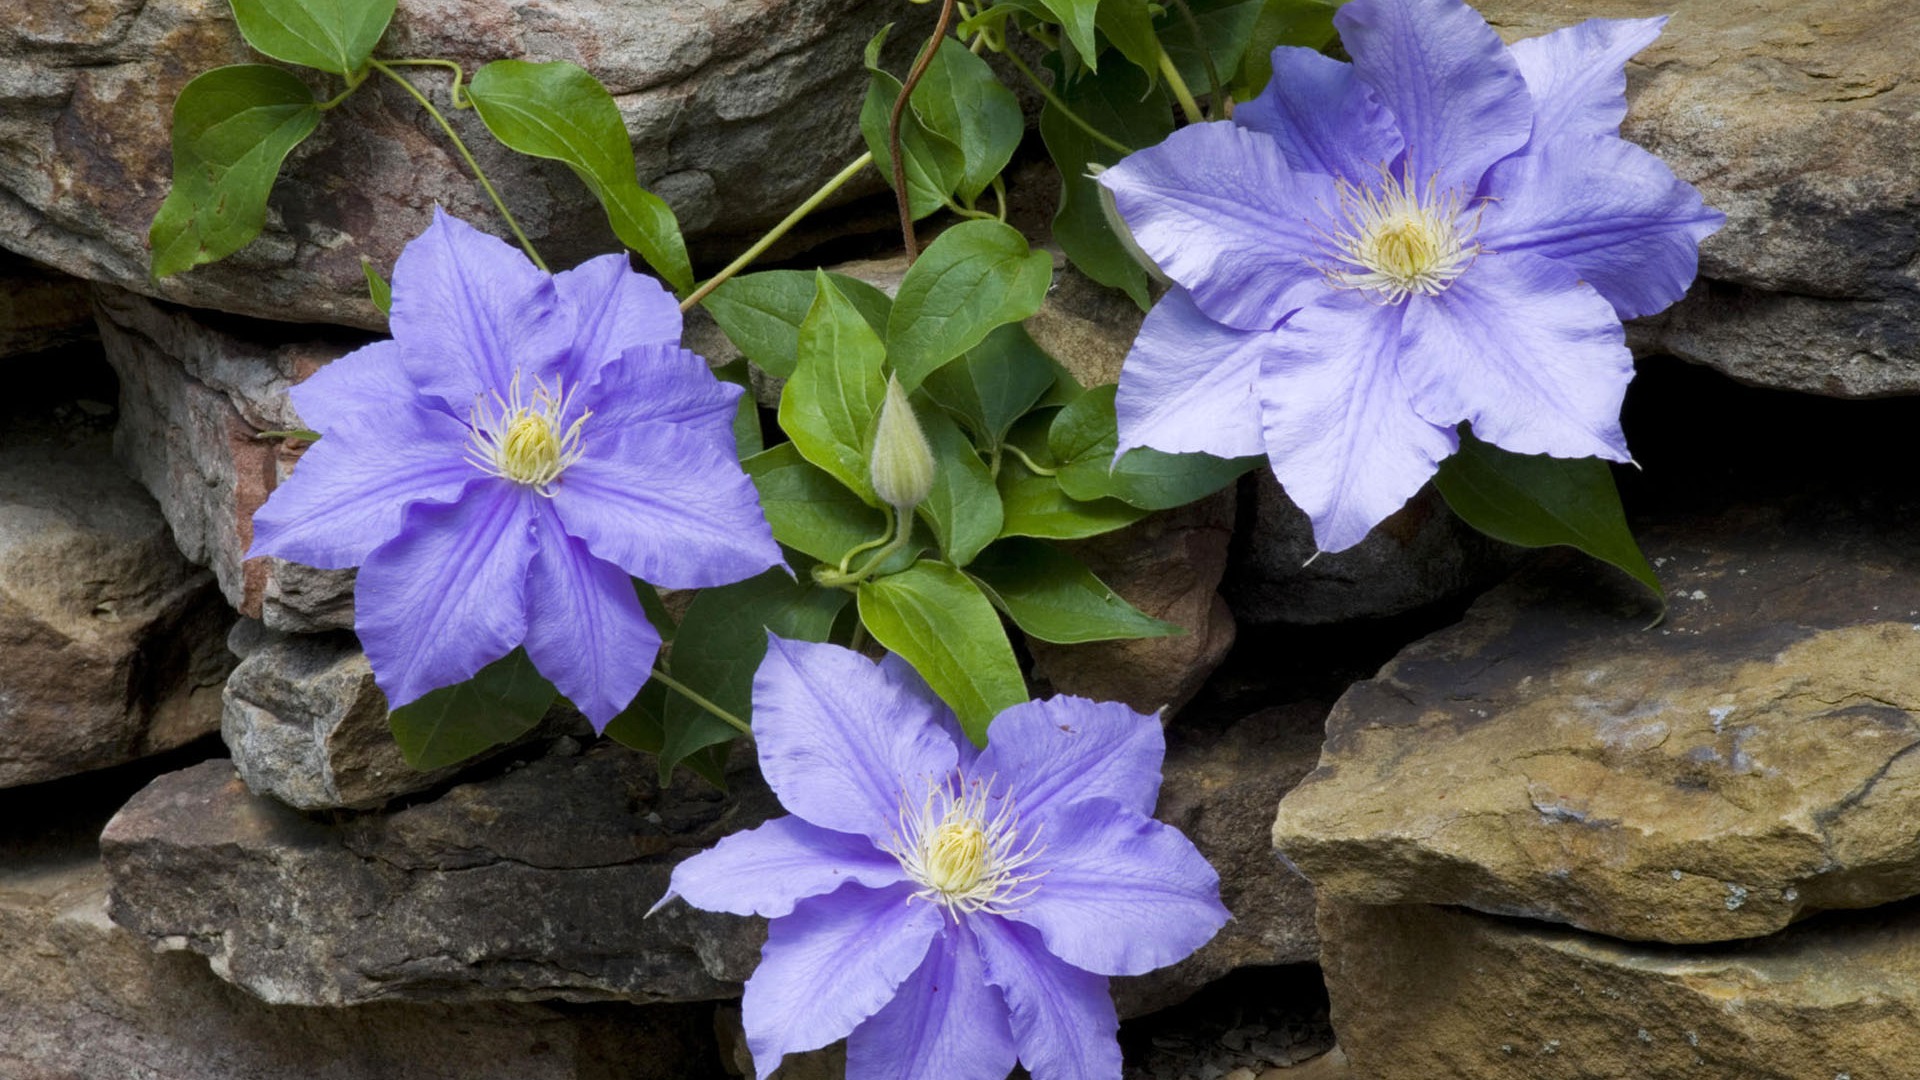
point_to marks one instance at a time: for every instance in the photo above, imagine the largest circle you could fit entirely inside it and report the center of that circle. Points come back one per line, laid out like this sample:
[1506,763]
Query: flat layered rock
[1551,757]
[736,112]
[527,886]
[85,998]
[196,391]
[111,644]
[1425,993]
[1796,119]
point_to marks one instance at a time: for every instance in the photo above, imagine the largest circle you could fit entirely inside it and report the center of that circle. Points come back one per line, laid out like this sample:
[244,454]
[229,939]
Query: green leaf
[935,167]
[809,510]
[560,112]
[1128,24]
[1083,440]
[961,98]
[994,383]
[1033,503]
[377,288]
[1078,18]
[832,400]
[761,313]
[332,35]
[232,127]
[747,437]
[1306,24]
[1538,501]
[1035,506]
[940,622]
[976,276]
[720,645]
[1054,597]
[963,508]
[1226,28]
[499,704]
[1122,103]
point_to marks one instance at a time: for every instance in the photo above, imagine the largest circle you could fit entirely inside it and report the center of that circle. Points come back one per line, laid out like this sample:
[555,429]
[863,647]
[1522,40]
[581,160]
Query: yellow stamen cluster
[1400,240]
[521,438]
[962,846]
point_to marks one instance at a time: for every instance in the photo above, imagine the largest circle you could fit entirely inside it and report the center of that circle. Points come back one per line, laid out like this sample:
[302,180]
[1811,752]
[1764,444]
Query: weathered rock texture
[1421,993]
[111,644]
[1220,788]
[1423,554]
[86,1000]
[529,885]
[196,391]
[40,309]
[1552,757]
[1796,120]
[736,111]
[1168,565]
[306,724]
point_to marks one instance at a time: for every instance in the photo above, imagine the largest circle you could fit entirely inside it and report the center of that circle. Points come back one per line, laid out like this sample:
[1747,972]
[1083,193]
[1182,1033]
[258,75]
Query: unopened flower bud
[902,465]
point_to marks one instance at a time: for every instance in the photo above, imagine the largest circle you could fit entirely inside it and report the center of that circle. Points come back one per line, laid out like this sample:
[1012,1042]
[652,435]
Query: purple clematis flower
[497,470]
[1445,230]
[949,910]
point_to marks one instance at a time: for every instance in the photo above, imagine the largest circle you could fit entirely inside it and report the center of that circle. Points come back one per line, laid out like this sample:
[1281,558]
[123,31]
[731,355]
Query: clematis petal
[946,1022]
[1531,355]
[1122,893]
[371,380]
[1447,79]
[350,492]
[835,961]
[614,309]
[449,594]
[901,674]
[1064,749]
[1216,206]
[665,384]
[1189,384]
[1341,429]
[840,742]
[766,871]
[1606,209]
[1325,118]
[1063,1018]
[667,506]
[469,311]
[1577,75]
[585,630]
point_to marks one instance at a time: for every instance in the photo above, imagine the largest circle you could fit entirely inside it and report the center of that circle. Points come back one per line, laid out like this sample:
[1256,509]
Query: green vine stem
[899,526]
[1053,99]
[466,155]
[1179,87]
[684,691]
[457,92]
[920,66]
[773,235]
[1033,466]
[1214,95]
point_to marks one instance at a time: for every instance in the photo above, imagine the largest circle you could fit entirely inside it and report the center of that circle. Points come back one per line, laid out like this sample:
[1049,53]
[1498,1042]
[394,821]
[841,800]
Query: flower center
[525,438]
[1399,240]
[962,846]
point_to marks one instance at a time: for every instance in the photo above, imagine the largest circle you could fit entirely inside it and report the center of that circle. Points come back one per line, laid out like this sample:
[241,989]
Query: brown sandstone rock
[1168,565]
[111,644]
[196,390]
[1427,993]
[1796,119]
[736,111]
[529,885]
[1710,779]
